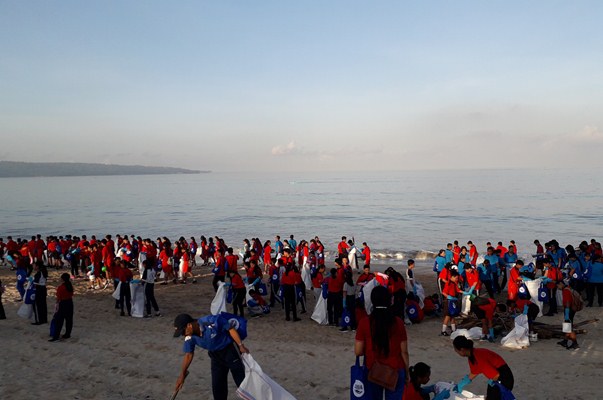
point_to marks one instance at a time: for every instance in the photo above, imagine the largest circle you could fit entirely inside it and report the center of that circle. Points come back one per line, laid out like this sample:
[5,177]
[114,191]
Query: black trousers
[552,301]
[149,295]
[334,307]
[505,378]
[301,299]
[274,287]
[39,306]
[2,313]
[289,298]
[350,306]
[64,314]
[125,296]
[223,361]
[238,301]
[591,287]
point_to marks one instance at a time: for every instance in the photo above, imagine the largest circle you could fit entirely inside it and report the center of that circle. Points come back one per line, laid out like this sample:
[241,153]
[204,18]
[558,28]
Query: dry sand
[113,357]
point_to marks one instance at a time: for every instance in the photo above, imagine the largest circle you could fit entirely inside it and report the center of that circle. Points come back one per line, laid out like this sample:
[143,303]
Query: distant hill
[15,169]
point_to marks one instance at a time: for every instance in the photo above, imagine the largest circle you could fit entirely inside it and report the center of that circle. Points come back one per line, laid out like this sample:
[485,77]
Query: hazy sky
[303,85]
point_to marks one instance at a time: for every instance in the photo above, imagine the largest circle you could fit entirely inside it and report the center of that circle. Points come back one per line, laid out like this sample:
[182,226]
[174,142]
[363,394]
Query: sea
[401,215]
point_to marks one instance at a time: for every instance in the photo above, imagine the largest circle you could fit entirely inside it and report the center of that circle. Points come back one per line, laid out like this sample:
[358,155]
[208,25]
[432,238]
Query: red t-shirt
[367,255]
[397,335]
[568,298]
[451,289]
[237,282]
[63,293]
[124,275]
[317,280]
[231,259]
[342,247]
[489,309]
[267,255]
[473,277]
[487,362]
[288,277]
[411,393]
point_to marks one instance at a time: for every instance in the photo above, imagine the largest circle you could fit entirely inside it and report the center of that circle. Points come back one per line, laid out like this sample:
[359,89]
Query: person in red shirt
[64,309]
[484,309]
[239,292]
[219,269]
[165,256]
[232,260]
[486,362]
[569,312]
[456,252]
[420,374]
[450,292]
[125,296]
[503,250]
[185,267]
[473,253]
[539,248]
[381,338]
[288,285]
[342,247]
[515,281]
[366,254]
[11,245]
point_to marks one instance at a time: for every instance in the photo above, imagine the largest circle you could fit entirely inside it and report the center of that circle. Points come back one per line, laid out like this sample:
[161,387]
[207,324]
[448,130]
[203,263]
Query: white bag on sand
[218,304]
[25,311]
[474,333]
[137,292]
[306,277]
[464,395]
[320,311]
[259,386]
[518,338]
[115,294]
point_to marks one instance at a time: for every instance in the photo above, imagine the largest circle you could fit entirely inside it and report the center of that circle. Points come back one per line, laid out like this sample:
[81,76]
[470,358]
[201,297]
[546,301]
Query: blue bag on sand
[453,308]
[229,295]
[543,294]
[299,294]
[358,381]
[345,319]
[505,394]
[279,294]
[412,312]
[523,293]
[262,289]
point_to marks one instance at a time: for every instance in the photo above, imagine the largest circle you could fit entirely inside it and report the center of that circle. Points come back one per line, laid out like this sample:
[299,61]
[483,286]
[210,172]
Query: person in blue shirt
[224,355]
[486,277]
[293,244]
[576,272]
[595,282]
[556,253]
[440,262]
[493,260]
[449,253]
[278,246]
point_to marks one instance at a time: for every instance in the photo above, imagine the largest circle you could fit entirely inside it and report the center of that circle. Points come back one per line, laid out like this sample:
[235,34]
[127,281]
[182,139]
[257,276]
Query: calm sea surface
[397,213]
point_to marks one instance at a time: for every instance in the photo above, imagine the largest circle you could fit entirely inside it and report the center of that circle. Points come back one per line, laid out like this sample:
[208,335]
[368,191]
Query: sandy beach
[113,357]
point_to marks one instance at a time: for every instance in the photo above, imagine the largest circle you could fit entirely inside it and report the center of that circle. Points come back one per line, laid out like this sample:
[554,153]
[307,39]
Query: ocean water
[400,214]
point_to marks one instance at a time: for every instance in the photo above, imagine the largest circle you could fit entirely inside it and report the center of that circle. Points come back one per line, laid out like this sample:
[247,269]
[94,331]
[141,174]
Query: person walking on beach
[64,311]
[381,339]
[487,362]
[40,307]
[148,280]
[219,336]
[125,296]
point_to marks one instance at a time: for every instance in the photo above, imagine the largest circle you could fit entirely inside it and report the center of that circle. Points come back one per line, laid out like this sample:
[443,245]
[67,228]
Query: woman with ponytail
[419,375]
[484,361]
[64,309]
[381,338]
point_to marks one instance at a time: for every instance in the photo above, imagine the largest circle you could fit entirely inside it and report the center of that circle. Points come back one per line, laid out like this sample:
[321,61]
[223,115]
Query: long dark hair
[417,371]
[461,342]
[67,281]
[381,319]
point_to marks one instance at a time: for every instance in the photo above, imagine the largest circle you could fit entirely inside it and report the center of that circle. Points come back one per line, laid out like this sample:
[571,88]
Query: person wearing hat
[226,346]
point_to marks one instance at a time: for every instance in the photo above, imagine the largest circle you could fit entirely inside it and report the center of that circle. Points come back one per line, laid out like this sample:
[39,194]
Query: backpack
[577,302]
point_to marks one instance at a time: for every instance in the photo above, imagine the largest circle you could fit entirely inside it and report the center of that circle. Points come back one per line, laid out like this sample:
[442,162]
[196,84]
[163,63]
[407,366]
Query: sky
[303,86]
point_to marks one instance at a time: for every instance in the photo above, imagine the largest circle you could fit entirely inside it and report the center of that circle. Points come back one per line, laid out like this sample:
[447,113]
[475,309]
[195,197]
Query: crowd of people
[280,273]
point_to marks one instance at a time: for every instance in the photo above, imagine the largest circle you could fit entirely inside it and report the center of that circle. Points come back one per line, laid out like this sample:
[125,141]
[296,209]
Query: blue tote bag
[358,381]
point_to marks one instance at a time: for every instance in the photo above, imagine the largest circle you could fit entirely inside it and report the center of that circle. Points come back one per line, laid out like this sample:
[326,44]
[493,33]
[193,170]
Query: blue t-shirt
[449,255]
[493,263]
[440,262]
[596,274]
[214,336]
[510,258]
[484,273]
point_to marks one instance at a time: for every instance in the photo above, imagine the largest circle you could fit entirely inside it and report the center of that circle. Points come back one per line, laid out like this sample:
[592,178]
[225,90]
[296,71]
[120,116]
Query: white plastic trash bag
[320,311]
[518,338]
[218,304]
[306,277]
[259,386]
[533,289]
[474,333]
[137,292]
[464,395]
[115,294]
[25,311]
[465,305]
[420,292]
[366,291]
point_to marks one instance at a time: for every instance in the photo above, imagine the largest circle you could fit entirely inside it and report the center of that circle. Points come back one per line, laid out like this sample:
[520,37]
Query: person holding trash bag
[572,303]
[487,362]
[381,338]
[419,375]
[222,336]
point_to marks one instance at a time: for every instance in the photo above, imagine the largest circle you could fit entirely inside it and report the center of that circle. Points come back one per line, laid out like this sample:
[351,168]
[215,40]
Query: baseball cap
[180,323]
